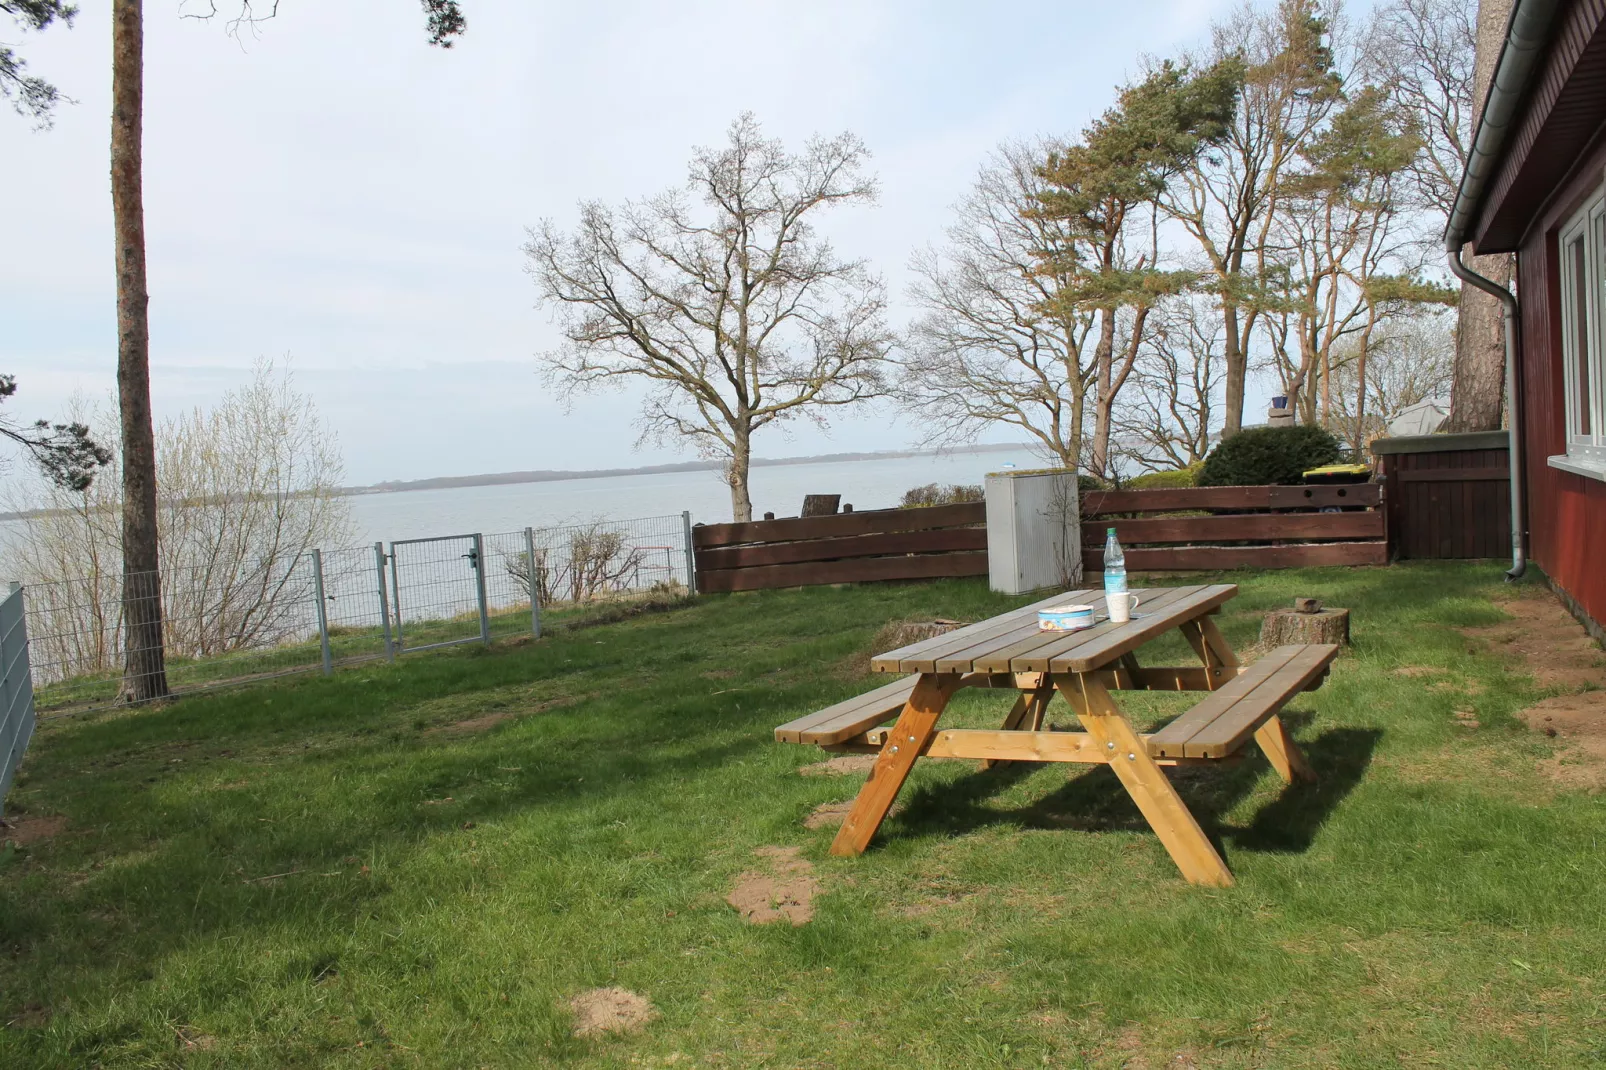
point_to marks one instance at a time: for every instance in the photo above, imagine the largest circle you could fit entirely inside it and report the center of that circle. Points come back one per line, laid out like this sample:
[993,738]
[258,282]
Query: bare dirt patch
[841,765]
[195,1040]
[31,1016]
[487,721]
[786,889]
[25,830]
[1548,641]
[1579,722]
[1554,647]
[610,1010]
[827,814]
[1417,670]
[831,814]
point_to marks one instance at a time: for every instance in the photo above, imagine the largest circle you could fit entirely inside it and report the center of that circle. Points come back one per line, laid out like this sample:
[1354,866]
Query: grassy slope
[1433,902]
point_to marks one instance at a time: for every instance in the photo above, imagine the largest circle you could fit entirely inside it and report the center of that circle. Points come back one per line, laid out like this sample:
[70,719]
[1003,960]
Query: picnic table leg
[1272,737]
[1213,650]
[916,725]
[1283,754]
[1159,802]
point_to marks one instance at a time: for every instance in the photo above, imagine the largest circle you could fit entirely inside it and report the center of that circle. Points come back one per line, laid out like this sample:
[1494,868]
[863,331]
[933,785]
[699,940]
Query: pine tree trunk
[1478,385]
[1477,388]
[1103,401]
[1237,372]
[144,666]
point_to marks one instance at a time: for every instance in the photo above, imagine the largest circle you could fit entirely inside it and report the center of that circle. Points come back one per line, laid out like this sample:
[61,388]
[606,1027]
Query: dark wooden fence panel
[886,544]
[1449,496]
[1237,527]
[1217,528]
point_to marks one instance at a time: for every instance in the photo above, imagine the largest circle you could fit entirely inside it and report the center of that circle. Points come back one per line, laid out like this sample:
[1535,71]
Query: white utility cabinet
[1034,530]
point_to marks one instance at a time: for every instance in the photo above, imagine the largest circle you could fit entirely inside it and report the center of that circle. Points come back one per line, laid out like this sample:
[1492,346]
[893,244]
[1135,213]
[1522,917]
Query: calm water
[872,484]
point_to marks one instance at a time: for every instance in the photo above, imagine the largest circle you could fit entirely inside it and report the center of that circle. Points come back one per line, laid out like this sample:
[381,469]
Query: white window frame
[1586,453]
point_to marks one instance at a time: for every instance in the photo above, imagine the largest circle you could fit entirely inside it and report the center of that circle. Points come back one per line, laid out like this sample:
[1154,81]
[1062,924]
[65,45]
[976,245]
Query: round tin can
[1064,618]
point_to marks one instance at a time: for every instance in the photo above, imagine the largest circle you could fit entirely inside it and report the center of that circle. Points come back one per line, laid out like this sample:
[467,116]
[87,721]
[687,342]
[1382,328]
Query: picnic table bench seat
[850,718]
[1225,719]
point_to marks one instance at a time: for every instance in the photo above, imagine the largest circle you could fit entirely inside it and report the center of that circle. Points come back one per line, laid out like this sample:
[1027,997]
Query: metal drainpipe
[1519,559]
[1527,30]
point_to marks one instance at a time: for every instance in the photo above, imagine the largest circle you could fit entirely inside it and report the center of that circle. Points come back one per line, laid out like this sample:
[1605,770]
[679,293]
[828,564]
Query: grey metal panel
[16,690]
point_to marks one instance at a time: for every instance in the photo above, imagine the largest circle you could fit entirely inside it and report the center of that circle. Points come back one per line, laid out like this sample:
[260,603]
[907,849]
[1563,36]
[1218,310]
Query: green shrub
[1179,477]
[937,494]
[1260,455]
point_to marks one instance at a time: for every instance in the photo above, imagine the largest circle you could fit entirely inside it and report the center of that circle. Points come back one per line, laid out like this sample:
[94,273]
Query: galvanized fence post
[323,612]
[691,558]
[479,588]
[535,586]
[384,602]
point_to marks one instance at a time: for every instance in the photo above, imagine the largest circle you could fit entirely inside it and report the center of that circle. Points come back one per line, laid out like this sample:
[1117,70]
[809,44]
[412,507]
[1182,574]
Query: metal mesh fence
[92,647]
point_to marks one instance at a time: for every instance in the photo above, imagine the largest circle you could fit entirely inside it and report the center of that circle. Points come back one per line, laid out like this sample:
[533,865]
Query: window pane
[1580,333]
[1599,366]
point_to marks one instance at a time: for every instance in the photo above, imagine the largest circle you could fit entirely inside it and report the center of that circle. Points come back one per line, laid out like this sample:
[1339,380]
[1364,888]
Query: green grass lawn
[326,873]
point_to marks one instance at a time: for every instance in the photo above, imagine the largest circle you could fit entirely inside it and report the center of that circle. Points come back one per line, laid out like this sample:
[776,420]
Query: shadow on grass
[1093,799]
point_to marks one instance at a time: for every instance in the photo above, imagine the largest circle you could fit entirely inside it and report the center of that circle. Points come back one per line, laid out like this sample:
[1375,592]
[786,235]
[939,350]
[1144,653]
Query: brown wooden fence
[1237,527]
[1209,528]
[886,544]
[1449,496]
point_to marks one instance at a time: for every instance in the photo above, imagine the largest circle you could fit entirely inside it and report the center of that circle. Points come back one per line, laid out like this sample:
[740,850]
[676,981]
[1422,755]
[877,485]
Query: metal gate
[16,689]
[437,589]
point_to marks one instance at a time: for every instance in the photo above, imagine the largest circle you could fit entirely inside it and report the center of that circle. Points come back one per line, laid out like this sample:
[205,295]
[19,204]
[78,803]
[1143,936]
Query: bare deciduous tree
[1410,360]
[578,564]
[721,297]
[249,488]
[1421,53]
[1167,418]
[993,346]
[1436,57]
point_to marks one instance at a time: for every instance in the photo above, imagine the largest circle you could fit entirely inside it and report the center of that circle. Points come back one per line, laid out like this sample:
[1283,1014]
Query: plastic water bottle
[1114,564]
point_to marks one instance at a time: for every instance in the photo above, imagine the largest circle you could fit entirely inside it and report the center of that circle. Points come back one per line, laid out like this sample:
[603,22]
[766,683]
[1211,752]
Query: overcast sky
[336,191]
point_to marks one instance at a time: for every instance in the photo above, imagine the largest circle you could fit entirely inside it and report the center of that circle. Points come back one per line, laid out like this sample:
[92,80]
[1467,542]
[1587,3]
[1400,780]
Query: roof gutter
[1526,34]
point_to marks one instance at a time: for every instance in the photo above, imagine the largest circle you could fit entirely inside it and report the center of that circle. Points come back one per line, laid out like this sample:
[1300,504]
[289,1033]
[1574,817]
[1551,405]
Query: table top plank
[1106,646]
[1027,633]
[972,635]
[1007,658]
[926,650]
[1166,608]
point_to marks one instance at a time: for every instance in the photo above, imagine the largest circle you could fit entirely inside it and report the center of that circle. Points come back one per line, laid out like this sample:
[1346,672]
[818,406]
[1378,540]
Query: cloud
[334,189]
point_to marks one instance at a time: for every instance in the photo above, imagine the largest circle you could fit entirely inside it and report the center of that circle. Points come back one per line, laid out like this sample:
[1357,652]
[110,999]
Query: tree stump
[820,504]
[1307,622]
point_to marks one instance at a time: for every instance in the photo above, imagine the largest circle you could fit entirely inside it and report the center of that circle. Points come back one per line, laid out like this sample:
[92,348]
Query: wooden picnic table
[1009,652]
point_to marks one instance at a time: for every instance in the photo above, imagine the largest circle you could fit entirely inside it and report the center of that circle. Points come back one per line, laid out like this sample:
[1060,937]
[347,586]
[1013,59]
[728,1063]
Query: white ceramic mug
[1121,604]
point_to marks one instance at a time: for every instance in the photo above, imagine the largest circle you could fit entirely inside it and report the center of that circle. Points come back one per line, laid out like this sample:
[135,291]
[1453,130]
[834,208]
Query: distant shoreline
[496,479]
[493,479]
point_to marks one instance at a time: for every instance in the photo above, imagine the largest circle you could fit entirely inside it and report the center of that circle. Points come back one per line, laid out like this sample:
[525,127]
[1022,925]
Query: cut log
[820,504]
[900,633]
[1283,626]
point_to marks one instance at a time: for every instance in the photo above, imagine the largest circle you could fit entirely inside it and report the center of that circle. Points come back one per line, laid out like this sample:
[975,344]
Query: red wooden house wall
[1555,159]
[1566,512]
